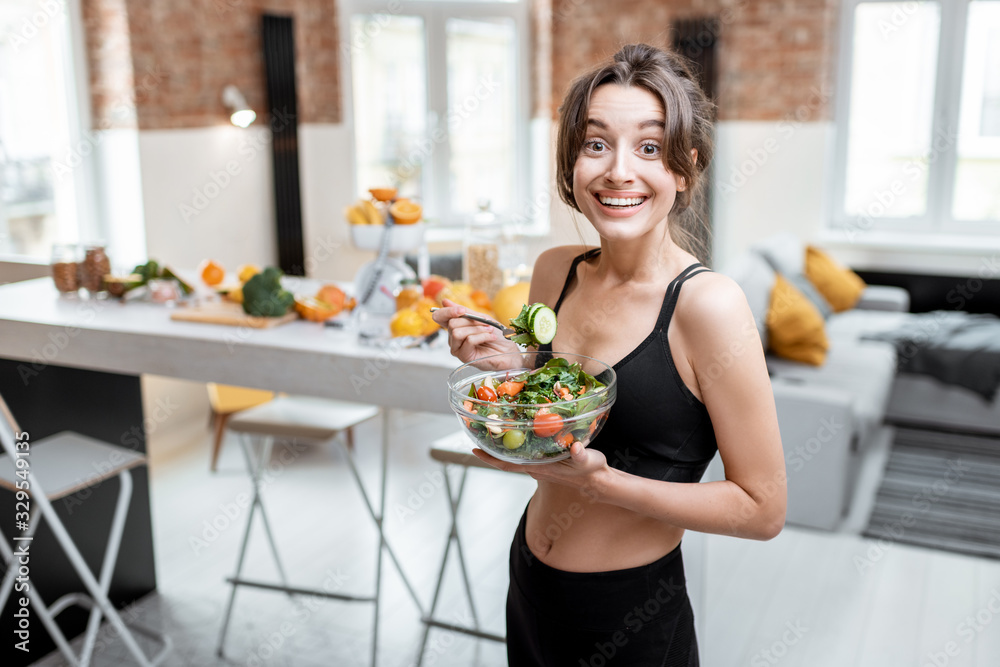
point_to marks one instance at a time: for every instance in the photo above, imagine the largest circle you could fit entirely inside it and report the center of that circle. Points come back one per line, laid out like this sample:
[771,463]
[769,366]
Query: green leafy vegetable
[263,295]
[152,270]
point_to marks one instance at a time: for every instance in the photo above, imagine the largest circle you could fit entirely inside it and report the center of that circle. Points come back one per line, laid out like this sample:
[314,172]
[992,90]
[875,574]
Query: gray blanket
[955,347]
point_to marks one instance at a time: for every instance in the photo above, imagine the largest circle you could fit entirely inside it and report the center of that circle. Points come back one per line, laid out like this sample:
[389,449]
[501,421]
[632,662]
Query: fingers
[449,312]
[506,467]
[496,463]
[467,346]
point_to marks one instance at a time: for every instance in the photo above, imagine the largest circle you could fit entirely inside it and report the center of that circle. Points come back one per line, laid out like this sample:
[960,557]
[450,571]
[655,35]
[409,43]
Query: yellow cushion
[226,399]
[840,286]
[794,325]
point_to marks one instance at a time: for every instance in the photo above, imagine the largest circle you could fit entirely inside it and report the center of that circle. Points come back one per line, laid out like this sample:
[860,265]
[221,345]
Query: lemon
[509,300]
[407,322]
[247,271]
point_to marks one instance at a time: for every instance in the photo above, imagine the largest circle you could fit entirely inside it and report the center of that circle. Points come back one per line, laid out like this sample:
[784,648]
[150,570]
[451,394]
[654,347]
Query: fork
[506,331]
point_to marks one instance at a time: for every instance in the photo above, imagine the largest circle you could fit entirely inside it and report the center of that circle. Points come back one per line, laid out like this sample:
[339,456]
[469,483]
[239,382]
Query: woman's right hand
[470,340]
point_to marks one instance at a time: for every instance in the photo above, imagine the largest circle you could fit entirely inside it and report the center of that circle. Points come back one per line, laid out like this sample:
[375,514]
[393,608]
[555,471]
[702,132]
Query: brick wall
[172,58]
[109,61]
[775,56]
[175,56]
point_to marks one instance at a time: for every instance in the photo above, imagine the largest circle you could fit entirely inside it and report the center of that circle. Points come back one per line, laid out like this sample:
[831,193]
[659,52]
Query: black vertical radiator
[279,63]
[695,39]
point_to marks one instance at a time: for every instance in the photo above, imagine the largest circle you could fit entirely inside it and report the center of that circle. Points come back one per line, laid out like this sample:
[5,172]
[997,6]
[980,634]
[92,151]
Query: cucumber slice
[543,325]
[533,309]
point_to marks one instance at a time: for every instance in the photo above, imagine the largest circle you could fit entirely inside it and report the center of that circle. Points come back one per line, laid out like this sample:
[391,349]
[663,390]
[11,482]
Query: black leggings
[640,616]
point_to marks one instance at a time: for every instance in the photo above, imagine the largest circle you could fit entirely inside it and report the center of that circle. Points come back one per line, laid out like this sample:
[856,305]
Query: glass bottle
[66,267]
[96,265]
[481,251]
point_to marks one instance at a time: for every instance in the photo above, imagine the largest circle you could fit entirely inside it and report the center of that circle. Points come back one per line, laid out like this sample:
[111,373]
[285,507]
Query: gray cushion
[787,255]
[756,279]
[785,251]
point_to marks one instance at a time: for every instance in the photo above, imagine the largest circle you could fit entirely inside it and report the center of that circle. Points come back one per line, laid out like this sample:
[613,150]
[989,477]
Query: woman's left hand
[582,470]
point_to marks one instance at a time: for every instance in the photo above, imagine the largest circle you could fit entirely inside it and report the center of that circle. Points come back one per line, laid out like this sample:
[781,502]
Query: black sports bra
[657,428]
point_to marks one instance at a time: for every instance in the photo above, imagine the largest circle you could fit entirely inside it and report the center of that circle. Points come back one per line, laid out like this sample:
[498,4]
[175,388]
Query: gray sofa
[828,415]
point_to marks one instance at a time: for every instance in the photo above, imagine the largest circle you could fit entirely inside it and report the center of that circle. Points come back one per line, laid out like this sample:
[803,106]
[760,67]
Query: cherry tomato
[486,394]
[547,425]
[564,439]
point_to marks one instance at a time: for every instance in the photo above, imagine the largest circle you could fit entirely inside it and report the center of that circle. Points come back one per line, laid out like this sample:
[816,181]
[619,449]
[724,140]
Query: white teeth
[619,201]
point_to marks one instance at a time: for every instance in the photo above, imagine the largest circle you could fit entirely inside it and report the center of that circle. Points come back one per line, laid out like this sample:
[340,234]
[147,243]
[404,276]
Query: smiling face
[619,179]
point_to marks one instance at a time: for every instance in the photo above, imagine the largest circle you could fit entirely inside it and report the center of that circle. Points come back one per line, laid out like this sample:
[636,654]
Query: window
[439,102]
[918,144]
[39,121]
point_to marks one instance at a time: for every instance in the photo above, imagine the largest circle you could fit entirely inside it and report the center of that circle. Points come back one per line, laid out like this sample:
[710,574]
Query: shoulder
[551,269]
[712,309]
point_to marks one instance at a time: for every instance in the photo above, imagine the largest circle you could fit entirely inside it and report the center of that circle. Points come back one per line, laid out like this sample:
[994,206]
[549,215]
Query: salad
[535,415]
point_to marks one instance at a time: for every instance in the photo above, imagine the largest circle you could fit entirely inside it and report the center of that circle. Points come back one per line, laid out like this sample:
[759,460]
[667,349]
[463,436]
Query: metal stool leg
[254,472]
[452,507]
[33,596]
[8,555]
[108,566]
[256,466]
[265,459]
[381,532]
[96,603]
[453,502]
[93,587]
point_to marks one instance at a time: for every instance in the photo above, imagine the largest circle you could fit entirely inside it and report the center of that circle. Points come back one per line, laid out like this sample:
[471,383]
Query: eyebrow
[642,126]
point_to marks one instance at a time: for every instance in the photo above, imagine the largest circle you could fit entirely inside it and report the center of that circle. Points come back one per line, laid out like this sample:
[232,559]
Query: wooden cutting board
[231,314]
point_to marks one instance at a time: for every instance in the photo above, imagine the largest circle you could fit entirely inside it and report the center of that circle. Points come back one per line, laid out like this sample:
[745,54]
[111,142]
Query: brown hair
[689,114]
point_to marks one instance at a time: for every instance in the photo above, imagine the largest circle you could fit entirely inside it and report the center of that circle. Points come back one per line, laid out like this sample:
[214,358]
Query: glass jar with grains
[481,251]
[66,267]
[96,265]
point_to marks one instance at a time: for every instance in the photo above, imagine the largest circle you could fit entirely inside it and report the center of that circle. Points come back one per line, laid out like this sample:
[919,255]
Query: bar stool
[454,450]
[53,468]
[226,400]
[311,419]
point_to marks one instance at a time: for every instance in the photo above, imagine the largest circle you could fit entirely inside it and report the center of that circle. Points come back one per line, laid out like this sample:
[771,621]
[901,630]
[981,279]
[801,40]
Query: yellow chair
[226,400]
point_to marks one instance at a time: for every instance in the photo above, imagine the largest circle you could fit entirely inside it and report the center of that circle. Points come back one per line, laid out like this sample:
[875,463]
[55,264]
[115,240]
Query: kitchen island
[74,364]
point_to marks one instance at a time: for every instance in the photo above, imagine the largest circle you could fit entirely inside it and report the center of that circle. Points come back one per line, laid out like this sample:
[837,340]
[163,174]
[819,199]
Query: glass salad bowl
[529,407]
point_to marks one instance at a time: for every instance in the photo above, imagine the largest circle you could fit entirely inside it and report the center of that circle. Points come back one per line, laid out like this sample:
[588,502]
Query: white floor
[805,598]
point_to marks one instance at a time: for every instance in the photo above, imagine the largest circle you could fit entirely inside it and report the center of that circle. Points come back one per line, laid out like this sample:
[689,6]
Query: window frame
[435,14]
[937,220]
[87,225]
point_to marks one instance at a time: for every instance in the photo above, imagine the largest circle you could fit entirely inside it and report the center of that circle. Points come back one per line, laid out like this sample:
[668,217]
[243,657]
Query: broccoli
[263,295]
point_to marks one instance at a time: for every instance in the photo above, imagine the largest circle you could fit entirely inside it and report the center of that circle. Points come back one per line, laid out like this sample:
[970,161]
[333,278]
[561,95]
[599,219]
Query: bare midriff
[569,531]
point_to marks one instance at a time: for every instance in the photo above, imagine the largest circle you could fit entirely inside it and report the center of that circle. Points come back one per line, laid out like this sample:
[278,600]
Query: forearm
[722,507]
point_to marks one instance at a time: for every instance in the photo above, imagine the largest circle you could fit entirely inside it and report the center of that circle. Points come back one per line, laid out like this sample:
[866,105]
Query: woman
[596,570]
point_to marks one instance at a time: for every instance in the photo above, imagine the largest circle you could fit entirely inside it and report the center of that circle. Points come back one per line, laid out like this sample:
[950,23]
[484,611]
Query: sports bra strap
[572,273]
[670,298]
[674,289]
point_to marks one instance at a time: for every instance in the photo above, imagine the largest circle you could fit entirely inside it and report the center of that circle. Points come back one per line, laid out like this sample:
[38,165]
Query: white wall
[119,196]
[207,193]
[769,178]
[327,187]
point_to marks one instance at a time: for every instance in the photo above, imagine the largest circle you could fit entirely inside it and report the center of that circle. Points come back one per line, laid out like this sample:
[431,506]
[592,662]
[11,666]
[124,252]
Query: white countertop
[39,327]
